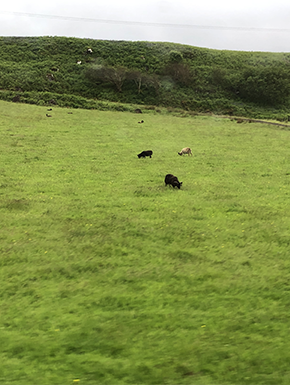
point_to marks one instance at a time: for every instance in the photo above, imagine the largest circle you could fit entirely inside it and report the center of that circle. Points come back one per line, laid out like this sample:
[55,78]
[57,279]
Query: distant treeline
[168,75]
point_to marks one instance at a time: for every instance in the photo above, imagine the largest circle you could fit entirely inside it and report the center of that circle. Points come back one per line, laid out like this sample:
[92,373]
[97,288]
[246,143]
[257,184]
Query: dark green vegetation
[109,277]
[44,70]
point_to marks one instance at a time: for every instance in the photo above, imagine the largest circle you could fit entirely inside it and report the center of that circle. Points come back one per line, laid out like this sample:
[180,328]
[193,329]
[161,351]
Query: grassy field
[109,277]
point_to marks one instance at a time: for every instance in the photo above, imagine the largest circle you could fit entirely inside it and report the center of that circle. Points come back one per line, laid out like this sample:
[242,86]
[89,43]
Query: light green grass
[109,277]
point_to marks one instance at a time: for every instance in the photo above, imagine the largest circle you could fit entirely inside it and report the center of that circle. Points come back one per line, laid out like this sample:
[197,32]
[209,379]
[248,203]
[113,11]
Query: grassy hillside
[42,70]
[109,277]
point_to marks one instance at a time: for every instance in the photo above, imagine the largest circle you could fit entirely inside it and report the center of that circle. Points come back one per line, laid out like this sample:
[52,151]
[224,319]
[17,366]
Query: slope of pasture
[109,277]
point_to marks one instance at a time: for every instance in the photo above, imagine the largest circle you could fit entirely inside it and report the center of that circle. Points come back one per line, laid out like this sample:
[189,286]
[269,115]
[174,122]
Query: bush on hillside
[270,85]
[175,57]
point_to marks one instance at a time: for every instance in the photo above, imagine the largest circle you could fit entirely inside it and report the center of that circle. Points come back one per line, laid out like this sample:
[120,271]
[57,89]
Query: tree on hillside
[114,75]
[142,79]
[179,72]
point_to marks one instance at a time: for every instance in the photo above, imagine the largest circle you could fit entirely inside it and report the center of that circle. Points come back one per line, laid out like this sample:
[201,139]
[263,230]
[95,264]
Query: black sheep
[143,154]
[173,180]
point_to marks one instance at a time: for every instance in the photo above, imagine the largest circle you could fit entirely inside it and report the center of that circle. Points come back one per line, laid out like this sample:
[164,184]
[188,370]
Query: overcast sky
[245,25]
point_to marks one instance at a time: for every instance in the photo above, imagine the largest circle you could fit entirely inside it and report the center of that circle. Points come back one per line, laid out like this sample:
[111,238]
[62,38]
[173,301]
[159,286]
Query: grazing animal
[49,116]
[142,121]
[143,154]
[50,77]
[49,109]
[16,98]
[79,62]
[185,150]
[89,50]
[173,180]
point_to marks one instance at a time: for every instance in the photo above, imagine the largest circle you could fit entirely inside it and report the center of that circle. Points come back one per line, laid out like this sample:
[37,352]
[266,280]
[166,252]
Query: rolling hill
[45,71]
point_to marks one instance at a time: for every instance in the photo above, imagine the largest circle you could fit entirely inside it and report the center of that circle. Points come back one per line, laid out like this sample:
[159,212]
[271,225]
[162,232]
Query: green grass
[109,277]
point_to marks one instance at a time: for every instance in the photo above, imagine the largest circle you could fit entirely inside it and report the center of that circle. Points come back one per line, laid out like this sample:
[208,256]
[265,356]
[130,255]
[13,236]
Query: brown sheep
[185,150]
